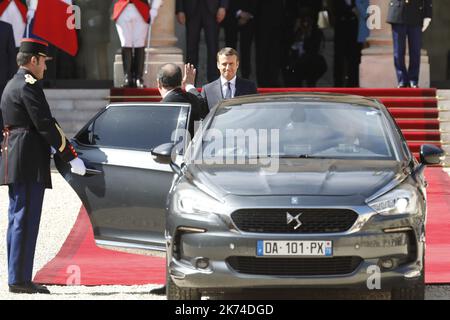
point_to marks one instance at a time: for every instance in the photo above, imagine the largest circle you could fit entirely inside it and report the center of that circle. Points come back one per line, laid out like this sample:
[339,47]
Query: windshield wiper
[299,156]
[285,156]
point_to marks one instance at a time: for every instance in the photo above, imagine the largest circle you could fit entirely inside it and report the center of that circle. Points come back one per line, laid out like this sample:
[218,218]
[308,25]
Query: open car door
[125,190]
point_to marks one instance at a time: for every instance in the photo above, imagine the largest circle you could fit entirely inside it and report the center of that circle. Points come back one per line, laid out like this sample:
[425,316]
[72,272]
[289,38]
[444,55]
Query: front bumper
[214,240]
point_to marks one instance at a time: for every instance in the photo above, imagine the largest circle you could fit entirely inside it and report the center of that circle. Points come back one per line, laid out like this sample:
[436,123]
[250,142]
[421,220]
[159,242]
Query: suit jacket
[244,5]
[141,5]
[411,12]
[31,130]
[8,65]
[199,109]
[189,7]
[342,11]
[212,92]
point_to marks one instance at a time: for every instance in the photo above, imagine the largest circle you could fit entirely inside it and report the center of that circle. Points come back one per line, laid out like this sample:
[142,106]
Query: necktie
[228,92]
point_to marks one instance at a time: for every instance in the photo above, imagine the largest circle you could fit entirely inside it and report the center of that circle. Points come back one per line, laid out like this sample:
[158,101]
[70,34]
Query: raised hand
[189,75]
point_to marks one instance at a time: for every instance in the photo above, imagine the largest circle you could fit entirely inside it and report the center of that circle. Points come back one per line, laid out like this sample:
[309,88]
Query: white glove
[30,14]
[156,4]
[426,24]
[52,150]
[153,14]
[78,166]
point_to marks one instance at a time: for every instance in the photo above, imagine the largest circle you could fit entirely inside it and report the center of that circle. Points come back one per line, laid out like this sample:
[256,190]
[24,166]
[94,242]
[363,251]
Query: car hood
[299,177]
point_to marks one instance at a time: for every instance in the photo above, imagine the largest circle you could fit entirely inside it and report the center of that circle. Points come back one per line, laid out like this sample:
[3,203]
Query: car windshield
[298,130]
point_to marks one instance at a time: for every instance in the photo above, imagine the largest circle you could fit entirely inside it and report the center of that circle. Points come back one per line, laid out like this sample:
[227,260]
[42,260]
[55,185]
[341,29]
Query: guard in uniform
[409,18]
[14,12]
[31,134]
[132,19]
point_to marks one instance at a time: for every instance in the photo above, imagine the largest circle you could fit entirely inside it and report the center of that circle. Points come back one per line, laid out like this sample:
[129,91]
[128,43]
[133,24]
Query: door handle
[92,172]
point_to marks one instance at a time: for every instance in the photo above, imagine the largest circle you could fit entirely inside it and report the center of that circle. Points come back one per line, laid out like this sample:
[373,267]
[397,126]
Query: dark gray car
[275,191]
[335,200]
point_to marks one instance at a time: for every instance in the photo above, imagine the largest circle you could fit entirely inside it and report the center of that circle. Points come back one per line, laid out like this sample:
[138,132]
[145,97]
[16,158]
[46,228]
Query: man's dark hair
[170,76]
[25,58]
[227,51]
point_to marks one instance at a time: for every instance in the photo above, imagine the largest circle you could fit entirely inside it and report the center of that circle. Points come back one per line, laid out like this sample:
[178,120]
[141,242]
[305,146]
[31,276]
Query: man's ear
[35,60]
[159,86]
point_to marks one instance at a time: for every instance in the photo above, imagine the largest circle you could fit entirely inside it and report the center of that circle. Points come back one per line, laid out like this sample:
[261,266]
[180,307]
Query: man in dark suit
[269,19]
[347,50]
[409,18]
[8,64]
[240,21]
[169,81]
[227,86]
[198,15]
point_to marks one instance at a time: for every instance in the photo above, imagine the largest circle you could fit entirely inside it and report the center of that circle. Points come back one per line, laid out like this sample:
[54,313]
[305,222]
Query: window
[135,127]
[328,130]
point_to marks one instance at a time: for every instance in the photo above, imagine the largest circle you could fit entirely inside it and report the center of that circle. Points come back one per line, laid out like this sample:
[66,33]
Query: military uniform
[132,19]
[406,18]
[29,133]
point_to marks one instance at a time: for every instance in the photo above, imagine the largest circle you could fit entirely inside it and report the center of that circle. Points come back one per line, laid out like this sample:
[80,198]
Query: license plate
[294,248]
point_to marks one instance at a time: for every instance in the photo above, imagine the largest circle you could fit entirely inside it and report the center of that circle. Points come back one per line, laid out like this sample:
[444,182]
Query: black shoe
[140,83]
[159,291]
[28,288]
[402,85]
[128,82]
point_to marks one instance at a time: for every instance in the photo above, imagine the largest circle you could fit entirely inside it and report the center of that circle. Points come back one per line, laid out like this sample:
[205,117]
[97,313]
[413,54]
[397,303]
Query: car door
[125,192]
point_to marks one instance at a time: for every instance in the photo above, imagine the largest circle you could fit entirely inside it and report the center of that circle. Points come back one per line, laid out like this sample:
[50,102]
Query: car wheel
[416,292]
[176,293]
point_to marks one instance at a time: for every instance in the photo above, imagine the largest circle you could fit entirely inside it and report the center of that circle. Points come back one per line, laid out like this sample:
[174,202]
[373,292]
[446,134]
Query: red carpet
[98,266]
[438,227]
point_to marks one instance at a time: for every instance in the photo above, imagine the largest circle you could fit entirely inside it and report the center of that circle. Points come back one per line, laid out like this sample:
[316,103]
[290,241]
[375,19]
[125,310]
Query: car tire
[176,293]
[415,292]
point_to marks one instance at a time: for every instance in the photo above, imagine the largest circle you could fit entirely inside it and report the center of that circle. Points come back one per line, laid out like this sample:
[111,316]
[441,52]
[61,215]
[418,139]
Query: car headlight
[402,200]
[195,201]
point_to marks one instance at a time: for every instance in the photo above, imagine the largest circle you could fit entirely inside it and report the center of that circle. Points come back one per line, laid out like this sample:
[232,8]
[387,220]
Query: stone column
[162,49]
[377,62]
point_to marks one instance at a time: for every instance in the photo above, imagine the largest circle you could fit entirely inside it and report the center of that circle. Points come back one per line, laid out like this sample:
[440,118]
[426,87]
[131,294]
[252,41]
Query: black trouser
[245,33]
[269,18]
[347,53]
[203,19]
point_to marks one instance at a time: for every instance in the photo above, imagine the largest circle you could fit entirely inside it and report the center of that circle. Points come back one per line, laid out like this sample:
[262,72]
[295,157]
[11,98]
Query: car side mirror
[163,154]
[430,154]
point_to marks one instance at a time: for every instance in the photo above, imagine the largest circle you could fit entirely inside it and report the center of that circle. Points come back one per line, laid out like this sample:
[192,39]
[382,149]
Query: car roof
[303,97]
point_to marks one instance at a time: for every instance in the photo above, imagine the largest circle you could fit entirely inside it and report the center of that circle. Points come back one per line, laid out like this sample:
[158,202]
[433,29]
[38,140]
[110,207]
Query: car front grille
[294,266]
[276,220]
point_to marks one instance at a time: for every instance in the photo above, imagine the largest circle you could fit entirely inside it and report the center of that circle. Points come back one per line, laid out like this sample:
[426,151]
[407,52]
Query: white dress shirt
[224,83]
